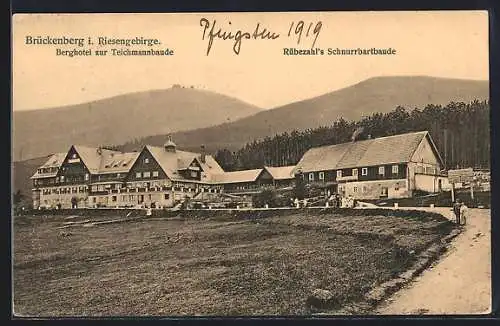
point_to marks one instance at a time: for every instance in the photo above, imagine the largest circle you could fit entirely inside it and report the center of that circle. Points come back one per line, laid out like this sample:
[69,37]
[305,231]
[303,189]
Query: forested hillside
[461,131]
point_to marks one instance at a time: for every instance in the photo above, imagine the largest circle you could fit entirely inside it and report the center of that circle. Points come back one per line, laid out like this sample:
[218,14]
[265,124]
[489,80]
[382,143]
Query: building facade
[157,177]
[96,177]
[386,167]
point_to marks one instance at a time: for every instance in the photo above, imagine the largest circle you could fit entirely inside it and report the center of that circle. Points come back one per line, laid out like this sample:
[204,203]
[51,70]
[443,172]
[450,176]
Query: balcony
[99,193]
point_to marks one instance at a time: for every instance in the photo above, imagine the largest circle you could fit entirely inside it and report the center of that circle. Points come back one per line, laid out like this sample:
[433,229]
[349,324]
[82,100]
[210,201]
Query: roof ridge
[406,133]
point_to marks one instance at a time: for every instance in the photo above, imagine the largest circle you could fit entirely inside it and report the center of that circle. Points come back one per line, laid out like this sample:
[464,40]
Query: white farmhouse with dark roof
[385,167]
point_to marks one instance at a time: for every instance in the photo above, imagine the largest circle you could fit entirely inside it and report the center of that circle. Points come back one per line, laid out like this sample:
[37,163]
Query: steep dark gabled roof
[92,156]
[171,162]
[112,162]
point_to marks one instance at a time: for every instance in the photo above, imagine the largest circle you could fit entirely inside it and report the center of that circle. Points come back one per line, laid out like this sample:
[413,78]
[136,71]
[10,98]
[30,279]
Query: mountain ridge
[376,94]
[120,118]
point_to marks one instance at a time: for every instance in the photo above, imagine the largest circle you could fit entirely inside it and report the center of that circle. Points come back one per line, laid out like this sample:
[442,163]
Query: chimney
[203,154]
[356,133]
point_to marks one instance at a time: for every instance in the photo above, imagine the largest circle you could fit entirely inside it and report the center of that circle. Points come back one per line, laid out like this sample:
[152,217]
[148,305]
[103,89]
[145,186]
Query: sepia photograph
[251,164]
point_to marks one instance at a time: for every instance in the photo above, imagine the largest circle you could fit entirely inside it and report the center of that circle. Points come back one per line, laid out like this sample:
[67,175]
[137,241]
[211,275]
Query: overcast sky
[443,44]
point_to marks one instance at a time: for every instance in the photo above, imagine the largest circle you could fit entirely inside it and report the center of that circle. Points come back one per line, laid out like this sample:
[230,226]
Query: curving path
[459,283]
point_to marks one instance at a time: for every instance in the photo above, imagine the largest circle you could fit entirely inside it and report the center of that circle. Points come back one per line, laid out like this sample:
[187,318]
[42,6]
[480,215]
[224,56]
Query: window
[155,173]
[146,160]
[113,198]
[395,169]
[355,172]
[87,176]
[118,175]
[364,171]
[311,176]
[339,173]
[355,189]
[322,175]
[194,174]
[117,186]
[100,187]
[166,196]
[147,174]
[396,187]
[73,156]
[365,189]
[138,175]
[94,188]
[150,196]
[62,178]
[93,199]
[381,170]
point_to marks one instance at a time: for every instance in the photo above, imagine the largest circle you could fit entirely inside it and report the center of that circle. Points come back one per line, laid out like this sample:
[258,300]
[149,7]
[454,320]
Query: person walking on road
[456,211]
[464,211]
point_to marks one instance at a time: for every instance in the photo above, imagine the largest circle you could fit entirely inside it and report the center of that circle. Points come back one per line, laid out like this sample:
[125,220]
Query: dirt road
[459,283]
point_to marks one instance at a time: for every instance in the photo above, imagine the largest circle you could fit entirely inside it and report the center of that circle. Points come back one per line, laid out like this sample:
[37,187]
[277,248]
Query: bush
[299,191]
[266,196]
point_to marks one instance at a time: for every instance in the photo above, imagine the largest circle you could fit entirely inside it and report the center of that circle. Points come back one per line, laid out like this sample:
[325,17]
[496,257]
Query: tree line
[461,132]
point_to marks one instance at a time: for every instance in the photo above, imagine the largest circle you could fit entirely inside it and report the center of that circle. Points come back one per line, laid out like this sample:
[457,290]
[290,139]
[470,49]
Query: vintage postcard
[251,164]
